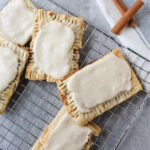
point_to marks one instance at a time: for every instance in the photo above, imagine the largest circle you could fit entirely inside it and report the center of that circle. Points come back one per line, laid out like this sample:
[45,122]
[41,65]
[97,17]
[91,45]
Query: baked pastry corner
[47,132]
[22,54]
[83,118]
[20,31]
[42,18]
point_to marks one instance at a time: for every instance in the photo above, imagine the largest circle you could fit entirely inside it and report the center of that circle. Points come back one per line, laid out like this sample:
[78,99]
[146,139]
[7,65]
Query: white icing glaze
[52,49]
[16,22]
[67,135]
[99,82]
[8,67]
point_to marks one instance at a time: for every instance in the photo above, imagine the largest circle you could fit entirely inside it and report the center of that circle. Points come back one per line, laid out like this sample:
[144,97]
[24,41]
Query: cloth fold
[128,36]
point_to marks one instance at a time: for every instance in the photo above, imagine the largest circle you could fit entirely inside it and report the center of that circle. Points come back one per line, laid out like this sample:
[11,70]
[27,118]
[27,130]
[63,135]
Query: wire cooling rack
[35,104]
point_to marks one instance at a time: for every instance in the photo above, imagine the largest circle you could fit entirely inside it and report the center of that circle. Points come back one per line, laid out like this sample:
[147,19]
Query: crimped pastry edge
[31,6]
[47,132]
[23,55]
[41,18]
[83,118]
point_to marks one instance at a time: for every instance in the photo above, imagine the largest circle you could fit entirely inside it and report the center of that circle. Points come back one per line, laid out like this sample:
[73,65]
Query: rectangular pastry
[16,21]
[12,64]
[98,87]
[54,50]
[64,134]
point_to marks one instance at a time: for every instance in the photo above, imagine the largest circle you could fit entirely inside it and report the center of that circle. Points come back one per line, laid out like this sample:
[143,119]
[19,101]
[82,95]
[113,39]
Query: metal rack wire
[35,104]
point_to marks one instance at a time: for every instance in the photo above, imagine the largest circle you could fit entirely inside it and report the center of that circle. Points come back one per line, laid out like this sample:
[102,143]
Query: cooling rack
[34,104]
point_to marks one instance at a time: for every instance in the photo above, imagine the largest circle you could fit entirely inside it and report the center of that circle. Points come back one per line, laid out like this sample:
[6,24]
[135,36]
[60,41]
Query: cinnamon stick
[120,6]
[127,17]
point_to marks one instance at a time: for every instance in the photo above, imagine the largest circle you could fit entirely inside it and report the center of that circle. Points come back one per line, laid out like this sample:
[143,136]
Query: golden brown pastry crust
[27,2]
[84,118]
[30,6]
[22,54]
[2,38]
[47,132]
[43,17]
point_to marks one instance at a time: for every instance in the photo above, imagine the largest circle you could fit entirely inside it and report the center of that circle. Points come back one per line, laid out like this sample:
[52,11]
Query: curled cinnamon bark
[127,17]
[120,6]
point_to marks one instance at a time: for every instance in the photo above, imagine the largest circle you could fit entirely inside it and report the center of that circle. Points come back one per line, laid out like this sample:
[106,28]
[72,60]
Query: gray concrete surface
[138,136]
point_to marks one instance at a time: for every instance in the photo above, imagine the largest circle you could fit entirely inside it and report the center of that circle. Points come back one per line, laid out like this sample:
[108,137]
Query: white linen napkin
[128,36]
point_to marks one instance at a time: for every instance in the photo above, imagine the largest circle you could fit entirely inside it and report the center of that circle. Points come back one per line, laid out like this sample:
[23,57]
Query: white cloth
[128,36]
